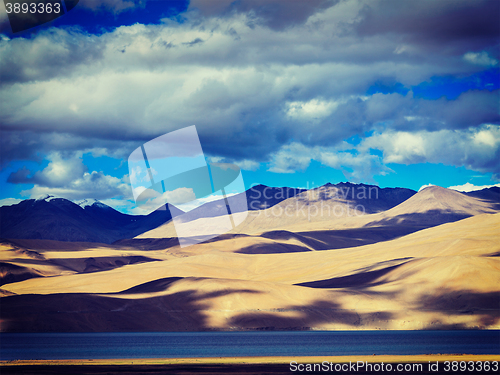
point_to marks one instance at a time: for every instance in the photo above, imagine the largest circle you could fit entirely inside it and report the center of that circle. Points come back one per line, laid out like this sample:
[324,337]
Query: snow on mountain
[46,198]
[91,203]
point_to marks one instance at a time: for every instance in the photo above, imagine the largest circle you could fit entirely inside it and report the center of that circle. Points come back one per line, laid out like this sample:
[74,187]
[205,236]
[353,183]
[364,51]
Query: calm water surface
[225,344]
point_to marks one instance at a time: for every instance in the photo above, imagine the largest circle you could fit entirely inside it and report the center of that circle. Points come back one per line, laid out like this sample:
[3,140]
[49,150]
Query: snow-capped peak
[46,198]
[91,202]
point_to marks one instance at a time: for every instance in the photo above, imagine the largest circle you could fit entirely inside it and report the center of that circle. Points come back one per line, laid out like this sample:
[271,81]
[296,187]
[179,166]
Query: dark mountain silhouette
[258,197]
[373,198]
[491,195]
[59,219]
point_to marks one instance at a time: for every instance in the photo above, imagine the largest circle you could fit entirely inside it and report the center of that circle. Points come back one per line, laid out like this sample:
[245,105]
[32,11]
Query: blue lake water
[225,344]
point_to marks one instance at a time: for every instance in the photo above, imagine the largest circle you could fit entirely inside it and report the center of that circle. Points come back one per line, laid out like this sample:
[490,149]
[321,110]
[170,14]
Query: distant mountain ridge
[260,197]
[373,198]
[89,220]
[59,219]
[491,195]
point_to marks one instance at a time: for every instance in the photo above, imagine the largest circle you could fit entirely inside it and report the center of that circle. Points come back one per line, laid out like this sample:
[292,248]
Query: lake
[233,344]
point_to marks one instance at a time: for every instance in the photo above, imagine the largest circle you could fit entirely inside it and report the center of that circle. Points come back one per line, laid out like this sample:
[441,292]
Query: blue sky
[295,93]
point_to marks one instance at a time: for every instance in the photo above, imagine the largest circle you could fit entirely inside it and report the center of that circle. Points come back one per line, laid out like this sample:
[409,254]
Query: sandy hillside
[446,276]
[309,221]
[313,211]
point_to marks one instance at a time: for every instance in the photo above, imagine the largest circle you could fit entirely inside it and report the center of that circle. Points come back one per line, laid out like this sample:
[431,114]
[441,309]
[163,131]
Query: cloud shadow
[304,317]
[85,312]
[361,279]
[486,305]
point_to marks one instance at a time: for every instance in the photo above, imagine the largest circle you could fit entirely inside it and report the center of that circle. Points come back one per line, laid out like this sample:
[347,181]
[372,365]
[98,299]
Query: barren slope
[441,277]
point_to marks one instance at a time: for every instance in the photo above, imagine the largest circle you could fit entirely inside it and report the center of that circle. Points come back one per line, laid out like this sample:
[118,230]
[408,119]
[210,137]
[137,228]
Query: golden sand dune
[55,258]
[432,206]
[312,212]
[439,198]
[444,276]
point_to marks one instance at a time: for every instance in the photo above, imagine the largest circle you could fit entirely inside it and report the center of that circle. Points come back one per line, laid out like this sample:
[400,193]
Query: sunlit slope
[312,211]
[445,276]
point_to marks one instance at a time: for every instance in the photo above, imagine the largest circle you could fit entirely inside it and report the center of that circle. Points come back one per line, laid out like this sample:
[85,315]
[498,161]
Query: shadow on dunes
[497,254]
[272,248]
[226,236]
[341,239]
[359,280]
[464,302]
[344,238]
[12,273]
[97,264]
[426,219]
[304,317]
[154,286]
[285,235]
[83,312]
[28,246]
[148,243]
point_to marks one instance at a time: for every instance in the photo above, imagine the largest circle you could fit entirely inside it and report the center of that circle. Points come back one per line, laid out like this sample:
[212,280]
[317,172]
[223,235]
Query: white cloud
[471,187]
[188,206]
[248,165]
[68,177]
[251,84]
[9,201]
[480,58]
[355,166]
[425,186]
[90,185]
[291,158]
[475,148]
[312,109]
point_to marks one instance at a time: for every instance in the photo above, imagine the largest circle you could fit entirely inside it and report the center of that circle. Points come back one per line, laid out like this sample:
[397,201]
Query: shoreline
[256,360]
[374,364]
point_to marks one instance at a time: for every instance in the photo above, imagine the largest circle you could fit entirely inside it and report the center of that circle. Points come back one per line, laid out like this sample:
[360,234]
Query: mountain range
[52,218]
[429,262]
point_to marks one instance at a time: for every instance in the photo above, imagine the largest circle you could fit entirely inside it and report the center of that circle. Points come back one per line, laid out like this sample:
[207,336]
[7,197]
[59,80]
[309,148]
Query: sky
[385,92]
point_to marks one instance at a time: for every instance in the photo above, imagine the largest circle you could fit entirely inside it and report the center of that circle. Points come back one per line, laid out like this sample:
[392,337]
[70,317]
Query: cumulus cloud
[474,148]
[355,166]
[152,200]
[267,80]
[95,184]
[480,58]
[425,186]
[277,14]
[58,173]
[247,165]
[54,53]
[471,187]
[69,178]
[9,201]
